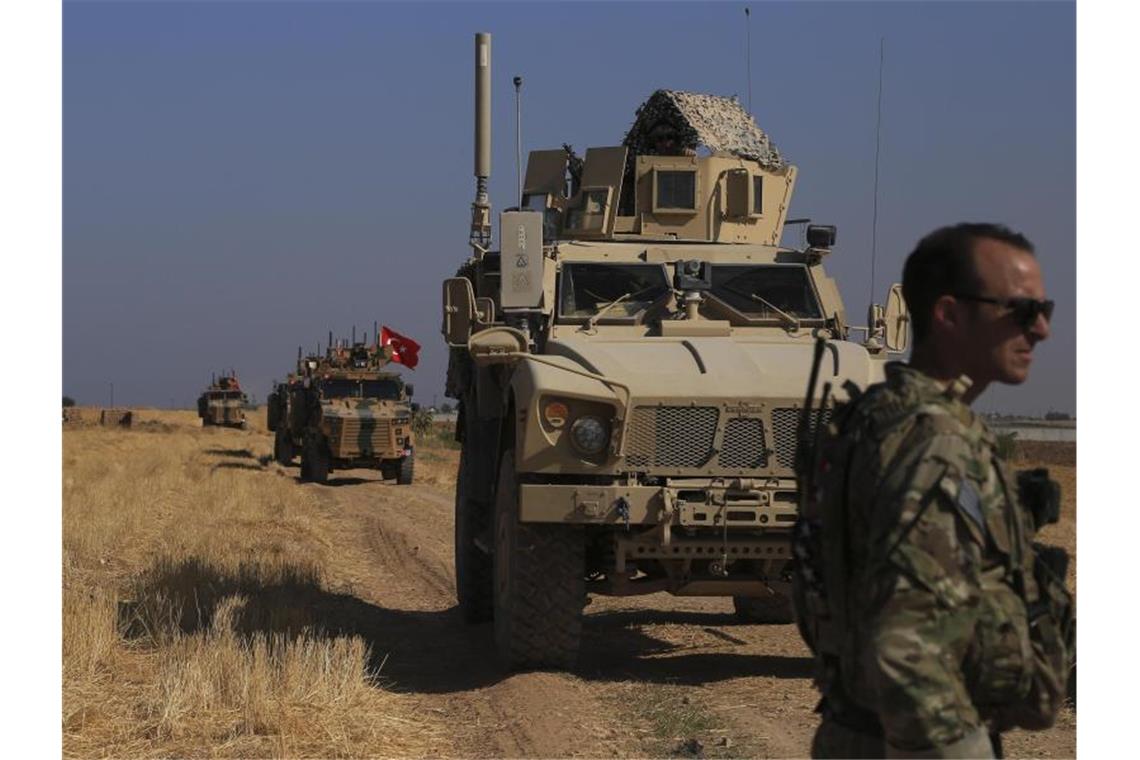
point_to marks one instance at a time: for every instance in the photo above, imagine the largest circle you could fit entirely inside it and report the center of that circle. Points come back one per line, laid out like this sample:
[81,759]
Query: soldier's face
[997,344]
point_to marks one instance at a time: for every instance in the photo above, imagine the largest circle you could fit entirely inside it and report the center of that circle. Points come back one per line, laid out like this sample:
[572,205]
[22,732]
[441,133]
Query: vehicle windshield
[754,290]
[225,395]
[588,288]
[386,389]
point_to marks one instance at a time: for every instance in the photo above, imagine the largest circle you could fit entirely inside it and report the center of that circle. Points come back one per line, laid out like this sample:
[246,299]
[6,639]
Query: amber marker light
[555,414]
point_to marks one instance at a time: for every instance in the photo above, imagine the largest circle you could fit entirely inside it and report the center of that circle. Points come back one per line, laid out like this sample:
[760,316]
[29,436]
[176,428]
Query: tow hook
[623,511]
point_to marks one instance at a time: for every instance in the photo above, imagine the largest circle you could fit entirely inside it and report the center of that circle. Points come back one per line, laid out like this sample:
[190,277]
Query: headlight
[589,434]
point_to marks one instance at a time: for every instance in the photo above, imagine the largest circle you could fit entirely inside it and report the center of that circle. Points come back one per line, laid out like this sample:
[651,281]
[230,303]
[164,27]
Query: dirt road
[658,676]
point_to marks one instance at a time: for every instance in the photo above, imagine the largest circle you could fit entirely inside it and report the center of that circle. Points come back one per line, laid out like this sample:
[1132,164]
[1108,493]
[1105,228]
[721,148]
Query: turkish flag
[405,350]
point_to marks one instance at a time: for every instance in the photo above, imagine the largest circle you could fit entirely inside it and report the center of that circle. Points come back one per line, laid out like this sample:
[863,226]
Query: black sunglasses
[1025,310]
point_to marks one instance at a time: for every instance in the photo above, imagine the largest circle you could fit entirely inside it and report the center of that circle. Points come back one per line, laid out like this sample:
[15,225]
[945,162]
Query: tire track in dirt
[394,549]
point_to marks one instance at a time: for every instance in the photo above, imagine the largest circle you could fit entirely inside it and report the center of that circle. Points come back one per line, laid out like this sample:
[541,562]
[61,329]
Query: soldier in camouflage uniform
[935,621]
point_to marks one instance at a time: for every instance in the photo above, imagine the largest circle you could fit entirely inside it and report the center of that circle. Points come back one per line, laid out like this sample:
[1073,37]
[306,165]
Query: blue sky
[239,178]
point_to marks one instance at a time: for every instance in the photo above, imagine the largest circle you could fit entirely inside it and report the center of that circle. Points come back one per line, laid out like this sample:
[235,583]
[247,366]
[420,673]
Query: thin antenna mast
[748,54]
[875,207]
[518,135]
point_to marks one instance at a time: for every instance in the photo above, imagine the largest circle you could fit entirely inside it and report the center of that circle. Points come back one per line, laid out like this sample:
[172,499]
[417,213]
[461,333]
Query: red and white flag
[404,350]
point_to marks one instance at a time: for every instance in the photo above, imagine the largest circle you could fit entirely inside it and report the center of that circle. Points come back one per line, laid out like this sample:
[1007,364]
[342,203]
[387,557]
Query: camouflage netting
[682,121]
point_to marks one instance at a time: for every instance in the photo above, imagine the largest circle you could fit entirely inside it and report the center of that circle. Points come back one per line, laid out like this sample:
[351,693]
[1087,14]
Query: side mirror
[821,235]
[484,310]
[896,319]
[497,345]
[458,310]
[409,390]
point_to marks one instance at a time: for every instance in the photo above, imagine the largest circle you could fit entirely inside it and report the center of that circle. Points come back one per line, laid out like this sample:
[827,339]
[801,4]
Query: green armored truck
[343,410]
[223,402]
[630,366]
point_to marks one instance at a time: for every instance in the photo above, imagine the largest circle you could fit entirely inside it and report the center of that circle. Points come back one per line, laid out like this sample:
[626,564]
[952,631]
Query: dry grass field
[192,601]
[216,607]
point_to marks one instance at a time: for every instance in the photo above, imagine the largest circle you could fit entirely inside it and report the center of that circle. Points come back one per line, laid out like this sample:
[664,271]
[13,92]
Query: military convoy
[343,410]
[223,402]
[630,367]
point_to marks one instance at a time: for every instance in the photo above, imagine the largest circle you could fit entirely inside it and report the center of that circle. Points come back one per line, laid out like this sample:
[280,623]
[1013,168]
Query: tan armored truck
[630,366]
[223,403]
[284,409]
[344,411]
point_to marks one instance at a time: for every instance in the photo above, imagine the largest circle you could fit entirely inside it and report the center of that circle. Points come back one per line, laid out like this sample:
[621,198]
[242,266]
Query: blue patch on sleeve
[970,502]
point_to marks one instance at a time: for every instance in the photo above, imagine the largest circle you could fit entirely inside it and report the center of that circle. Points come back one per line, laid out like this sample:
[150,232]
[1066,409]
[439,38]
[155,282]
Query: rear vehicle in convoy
[223,402]
[630,366]
[342,411]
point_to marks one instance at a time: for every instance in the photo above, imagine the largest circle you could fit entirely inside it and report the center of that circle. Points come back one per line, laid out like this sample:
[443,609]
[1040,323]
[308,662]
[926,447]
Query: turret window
[676,190]
[757,194]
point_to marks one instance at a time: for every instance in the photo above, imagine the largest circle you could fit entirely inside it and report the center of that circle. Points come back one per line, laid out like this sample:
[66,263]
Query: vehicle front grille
[354,436]
[672,436]
[785,424]
[744,445]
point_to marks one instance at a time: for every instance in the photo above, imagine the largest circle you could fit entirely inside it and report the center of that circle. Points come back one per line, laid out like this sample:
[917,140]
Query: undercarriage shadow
[335,482]
[615,648]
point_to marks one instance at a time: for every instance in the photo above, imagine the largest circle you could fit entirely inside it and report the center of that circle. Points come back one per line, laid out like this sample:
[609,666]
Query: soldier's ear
[946,315]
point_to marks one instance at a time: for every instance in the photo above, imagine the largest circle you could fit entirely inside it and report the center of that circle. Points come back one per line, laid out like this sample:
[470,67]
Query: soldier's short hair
[943,263]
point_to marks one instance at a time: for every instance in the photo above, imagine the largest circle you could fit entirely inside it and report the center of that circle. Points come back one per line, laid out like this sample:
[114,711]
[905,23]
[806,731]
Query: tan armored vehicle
[344,411]
[630,366]
[223,403]
[284,411]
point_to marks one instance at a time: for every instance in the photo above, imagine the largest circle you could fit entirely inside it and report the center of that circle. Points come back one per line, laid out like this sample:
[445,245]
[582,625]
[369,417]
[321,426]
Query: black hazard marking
[970,502]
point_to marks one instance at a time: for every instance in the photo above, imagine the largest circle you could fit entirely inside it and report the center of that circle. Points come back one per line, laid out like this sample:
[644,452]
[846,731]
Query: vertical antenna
[481,209]
[112,395]
[875,207]
[518,135]
[748,32]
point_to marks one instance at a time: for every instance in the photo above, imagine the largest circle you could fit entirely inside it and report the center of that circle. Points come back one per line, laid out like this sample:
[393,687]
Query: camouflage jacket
[936,571]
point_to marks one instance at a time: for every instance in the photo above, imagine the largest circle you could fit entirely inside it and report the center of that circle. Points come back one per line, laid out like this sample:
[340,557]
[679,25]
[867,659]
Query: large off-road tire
[540,585]
[282,448]
[474,567]
[776,609]
[407,470]
[315,460]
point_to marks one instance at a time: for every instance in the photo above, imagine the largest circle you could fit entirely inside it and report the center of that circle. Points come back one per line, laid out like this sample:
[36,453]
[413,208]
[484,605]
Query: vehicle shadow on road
[238,453]
[616,648]
[415,651]
[237,466]
[335,482]
[412,651]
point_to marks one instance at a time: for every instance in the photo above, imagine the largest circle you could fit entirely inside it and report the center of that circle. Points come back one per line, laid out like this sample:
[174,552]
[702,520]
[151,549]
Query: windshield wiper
[601,312]
[791,321]
[589,325]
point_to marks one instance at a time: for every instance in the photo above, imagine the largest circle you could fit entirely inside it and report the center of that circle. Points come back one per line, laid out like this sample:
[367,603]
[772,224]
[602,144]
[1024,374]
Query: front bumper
[714,502]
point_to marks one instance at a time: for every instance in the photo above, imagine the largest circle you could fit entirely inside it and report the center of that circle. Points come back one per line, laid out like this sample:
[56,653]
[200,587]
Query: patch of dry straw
[190,627]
